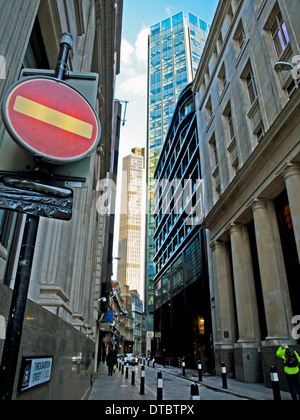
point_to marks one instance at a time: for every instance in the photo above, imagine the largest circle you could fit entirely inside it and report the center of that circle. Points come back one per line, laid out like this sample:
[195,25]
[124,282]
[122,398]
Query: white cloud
[136,85]
[141,45]
[133,79]
[127,51]
[172,9]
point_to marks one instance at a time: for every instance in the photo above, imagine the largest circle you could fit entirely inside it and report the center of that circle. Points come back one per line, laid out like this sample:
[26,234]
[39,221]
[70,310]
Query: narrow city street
[118,388]
[175,387]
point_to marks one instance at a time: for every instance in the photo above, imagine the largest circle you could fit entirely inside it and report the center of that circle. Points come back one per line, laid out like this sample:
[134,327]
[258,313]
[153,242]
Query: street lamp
[283,66]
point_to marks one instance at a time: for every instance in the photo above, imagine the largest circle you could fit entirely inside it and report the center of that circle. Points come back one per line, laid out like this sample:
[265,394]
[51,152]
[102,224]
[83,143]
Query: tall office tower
[131,237]
[175,49]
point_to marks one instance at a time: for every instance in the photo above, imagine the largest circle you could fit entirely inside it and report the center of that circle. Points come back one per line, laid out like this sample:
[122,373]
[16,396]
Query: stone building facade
[249,130]
[70,257]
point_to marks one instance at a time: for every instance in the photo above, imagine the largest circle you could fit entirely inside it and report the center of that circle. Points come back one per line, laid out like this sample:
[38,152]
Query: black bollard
[275,384]
[159,386]
[224,376]
[133,375]
[126,375]
[183,367]
[199,371]
[143,374]
[195,396]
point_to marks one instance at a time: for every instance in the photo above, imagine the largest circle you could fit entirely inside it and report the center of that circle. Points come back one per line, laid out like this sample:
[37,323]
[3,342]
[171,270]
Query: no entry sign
[51,119]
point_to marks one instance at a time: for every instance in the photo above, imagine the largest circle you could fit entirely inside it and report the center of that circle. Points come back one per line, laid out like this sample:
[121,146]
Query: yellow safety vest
[289,370]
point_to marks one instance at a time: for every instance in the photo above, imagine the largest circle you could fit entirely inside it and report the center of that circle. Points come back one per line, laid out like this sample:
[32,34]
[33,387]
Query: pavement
[243,390]
[107,388]
[102,388]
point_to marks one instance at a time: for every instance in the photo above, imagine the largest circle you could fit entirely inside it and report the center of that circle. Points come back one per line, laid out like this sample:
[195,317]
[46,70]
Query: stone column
[271,272]
[248,367]
[291,176]
[225,323]
[244,286]
[225,319]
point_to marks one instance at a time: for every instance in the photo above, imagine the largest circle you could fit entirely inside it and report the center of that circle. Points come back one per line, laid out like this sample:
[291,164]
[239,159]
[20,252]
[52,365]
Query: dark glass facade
[181,285]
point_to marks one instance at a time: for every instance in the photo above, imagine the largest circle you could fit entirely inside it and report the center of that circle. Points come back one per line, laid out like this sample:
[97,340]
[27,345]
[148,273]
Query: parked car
[131,358]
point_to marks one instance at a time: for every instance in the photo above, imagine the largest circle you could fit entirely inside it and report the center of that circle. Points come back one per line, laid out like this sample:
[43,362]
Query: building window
[236,166]
[240,40]
[260,132]
[215,153]
[292,87]
[209,112]
[280,34]
[231,139]
[215,162]
[230,125]
[220,43]
[251,86]
[222,81]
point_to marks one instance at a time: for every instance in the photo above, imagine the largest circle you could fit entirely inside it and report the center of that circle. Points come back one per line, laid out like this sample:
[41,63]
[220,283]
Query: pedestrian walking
[291,368]
[164,357]
[111,360]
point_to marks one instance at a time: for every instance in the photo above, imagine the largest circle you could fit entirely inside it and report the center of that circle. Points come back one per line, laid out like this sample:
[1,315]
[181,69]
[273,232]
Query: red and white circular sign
[51,119]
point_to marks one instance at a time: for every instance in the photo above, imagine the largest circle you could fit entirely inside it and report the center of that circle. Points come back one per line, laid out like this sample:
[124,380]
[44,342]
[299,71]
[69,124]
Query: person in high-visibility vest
[291,368]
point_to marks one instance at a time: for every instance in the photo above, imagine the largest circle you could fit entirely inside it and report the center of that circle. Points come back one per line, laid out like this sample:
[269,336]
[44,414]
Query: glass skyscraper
[175,49]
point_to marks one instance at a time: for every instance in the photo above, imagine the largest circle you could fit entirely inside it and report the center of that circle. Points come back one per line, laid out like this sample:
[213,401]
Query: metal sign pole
[17,311]
[65,47]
